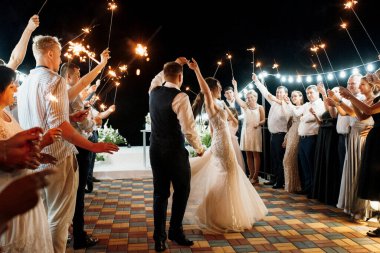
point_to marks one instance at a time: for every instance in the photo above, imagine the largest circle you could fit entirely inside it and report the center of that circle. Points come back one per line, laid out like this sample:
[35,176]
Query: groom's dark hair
[172,69]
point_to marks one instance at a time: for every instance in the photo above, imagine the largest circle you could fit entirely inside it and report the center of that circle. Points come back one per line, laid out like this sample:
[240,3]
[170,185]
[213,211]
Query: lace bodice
[221,145]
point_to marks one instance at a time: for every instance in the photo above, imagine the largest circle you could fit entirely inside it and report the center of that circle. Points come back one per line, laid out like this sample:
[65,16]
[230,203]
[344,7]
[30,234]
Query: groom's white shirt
[181,106]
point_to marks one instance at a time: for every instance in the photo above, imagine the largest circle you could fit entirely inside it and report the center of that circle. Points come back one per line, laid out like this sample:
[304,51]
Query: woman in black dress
[369,178]
[326,175]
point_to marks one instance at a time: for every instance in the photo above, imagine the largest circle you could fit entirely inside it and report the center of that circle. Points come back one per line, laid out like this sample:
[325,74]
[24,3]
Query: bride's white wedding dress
[225,200]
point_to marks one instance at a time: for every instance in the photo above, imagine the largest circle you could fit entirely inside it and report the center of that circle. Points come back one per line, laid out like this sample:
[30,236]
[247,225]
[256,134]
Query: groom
[172,120]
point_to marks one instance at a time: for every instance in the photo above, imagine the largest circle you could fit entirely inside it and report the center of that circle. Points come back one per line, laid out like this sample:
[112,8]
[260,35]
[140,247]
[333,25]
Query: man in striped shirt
[43,101]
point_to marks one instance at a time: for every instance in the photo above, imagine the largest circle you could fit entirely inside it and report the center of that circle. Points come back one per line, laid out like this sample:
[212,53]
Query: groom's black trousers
[170,164]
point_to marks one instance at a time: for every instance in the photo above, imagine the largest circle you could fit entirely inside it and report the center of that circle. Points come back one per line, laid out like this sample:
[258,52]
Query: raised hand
[344,92]
[193,64]
[33,23]
[79,116]
[105,56]
[22,150]
[112,108]
[330,102]
[92,88]
[181,60]
[234,83]
[287,99]
[255,78]
[321,89]
[52,135]
[25,138]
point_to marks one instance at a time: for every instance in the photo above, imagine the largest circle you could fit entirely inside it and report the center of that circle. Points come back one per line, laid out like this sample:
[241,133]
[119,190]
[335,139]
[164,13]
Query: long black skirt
[327,175]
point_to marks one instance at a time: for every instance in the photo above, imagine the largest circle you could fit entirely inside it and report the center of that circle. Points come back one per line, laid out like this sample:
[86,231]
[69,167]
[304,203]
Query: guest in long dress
[291,141]
[251,134]
[234,125]
[369,175]
[326,177]
[344,112]
[348,196]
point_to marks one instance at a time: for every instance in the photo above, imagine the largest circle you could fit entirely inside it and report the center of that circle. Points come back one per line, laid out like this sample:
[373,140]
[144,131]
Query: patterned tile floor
[120,214]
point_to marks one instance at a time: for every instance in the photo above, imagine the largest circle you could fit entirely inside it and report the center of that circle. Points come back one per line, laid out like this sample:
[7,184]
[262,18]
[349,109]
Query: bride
[225,200]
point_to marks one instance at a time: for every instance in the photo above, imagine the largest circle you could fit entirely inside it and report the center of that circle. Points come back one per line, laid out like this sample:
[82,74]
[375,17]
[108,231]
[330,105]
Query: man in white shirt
[231,101]
[278,126]
[308,131]
[345,112]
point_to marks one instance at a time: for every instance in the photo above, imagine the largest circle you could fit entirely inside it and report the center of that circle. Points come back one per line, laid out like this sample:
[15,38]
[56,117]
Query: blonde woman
[251,134]
[368,181]
[348,196]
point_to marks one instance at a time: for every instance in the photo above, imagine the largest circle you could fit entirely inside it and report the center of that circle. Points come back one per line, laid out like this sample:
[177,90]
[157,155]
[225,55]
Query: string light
[317,77]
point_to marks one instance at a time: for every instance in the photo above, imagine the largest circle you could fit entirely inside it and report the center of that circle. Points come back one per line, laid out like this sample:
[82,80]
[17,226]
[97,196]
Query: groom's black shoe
[159,246]
[180,239]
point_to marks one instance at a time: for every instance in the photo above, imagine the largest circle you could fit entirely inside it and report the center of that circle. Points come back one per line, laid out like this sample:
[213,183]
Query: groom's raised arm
[181,106]
[158,80]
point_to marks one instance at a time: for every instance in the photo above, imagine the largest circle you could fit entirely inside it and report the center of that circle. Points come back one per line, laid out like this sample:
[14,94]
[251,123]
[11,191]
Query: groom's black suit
[169,160]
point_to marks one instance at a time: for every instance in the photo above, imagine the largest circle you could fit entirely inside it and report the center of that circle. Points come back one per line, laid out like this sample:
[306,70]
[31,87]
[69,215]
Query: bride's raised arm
[209,100]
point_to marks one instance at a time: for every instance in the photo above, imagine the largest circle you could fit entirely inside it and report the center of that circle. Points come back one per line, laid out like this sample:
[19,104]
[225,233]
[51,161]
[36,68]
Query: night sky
[279,30]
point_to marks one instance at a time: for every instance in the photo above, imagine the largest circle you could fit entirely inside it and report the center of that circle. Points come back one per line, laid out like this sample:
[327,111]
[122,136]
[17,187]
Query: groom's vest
[166,130]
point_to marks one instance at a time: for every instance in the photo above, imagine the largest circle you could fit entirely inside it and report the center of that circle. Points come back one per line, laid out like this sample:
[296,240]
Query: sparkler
[38,13]
[275,66]
[323,46]
[344,26]
[188,89]
[85,30]
[76,49]
[258,65]
[350,5]
[315,50]
[229,57]
[217,67]
[252,49]
[103,107]
[117,85]
[111,6]
[141,50]
[51,98]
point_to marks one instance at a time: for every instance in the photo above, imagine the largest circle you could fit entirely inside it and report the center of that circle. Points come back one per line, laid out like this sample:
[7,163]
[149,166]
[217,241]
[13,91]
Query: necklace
[5,116]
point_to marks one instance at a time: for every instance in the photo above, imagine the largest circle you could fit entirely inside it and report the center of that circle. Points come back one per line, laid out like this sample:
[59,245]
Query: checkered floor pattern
[120,214]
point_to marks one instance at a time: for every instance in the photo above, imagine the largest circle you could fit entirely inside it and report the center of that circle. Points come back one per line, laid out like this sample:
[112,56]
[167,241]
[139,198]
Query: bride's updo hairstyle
[199,100]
